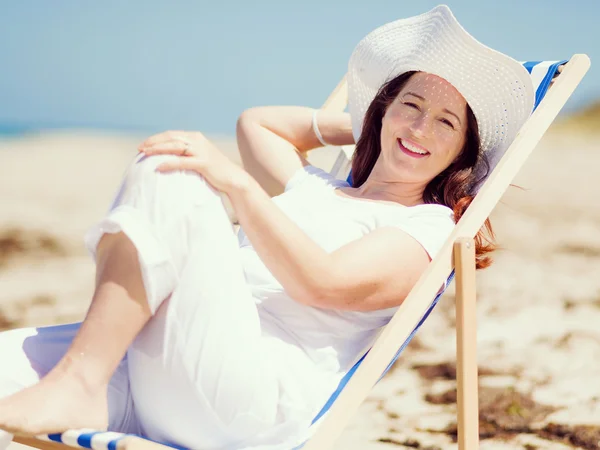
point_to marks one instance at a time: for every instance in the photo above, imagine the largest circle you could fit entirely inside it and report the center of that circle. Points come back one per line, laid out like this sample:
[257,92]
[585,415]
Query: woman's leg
[202,373]
[28,354]
[73,393]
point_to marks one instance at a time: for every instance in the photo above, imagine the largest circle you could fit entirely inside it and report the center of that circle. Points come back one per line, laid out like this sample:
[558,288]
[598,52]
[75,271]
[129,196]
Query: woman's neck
[403,193]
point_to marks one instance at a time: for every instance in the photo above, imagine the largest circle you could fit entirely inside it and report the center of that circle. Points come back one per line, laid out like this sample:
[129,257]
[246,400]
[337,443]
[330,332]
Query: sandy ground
[538,305]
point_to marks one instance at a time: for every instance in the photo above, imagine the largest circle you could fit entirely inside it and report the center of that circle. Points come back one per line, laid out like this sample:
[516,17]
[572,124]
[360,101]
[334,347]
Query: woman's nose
[421,125]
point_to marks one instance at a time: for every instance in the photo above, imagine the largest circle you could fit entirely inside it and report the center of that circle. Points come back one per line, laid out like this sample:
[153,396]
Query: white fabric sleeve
[313,176]
[429,225]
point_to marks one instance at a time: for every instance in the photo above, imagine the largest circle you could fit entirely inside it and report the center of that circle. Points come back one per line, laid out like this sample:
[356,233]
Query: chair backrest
[542,73]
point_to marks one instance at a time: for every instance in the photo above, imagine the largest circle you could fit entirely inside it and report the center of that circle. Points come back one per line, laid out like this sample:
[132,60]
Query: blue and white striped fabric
[542,73]
[93,439]
[86,439]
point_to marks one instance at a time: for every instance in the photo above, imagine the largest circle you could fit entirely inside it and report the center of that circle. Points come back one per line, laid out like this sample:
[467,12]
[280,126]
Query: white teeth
[412,148]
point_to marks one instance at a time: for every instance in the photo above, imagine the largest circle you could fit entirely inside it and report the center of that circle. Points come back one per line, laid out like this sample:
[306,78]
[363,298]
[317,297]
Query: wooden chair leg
[42,445]
[466,345]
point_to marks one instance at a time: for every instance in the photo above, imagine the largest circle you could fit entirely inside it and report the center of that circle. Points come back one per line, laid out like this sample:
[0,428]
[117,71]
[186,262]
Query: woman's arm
[374,272]
[273,140]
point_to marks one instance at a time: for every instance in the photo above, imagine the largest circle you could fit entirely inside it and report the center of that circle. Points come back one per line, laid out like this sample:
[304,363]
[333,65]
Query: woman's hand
[195,152]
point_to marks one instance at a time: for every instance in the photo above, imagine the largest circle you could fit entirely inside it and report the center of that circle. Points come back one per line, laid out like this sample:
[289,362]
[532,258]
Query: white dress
[228,360]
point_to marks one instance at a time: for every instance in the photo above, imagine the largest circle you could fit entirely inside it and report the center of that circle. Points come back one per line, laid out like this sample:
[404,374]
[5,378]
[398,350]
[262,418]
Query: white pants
[201,374]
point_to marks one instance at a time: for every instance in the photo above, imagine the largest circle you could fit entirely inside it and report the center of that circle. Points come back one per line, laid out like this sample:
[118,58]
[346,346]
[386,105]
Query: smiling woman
[249,334]
[426,118]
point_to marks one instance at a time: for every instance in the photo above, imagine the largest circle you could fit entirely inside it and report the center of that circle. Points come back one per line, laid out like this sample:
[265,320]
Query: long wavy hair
[451,187]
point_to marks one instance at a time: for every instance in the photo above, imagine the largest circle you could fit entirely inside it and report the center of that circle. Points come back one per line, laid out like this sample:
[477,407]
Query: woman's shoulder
[426,212]
[429,224]
[433,211]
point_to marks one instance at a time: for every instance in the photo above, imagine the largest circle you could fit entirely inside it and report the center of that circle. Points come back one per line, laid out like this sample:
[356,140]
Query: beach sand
[538,305]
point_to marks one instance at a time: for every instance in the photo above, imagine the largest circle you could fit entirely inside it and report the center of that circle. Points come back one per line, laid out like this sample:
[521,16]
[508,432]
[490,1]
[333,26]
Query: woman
[196,338]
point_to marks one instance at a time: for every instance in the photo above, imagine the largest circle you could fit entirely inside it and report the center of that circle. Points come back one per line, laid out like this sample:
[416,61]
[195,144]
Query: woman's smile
[412,149]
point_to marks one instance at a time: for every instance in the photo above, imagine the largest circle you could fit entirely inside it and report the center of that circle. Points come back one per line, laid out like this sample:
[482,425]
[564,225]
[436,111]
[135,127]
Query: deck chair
[456,260]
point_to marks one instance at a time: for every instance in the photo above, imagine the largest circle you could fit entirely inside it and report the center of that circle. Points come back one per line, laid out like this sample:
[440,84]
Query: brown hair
[452,187]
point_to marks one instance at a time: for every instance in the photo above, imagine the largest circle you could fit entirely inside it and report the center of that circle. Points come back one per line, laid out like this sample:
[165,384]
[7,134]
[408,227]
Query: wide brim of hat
[497,88]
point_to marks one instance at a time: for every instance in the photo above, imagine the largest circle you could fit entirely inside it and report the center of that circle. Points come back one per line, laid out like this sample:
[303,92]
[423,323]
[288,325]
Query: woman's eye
[411,105]
[447,122]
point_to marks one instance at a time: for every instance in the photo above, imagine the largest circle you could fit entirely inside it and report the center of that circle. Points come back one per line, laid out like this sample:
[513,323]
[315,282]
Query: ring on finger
[185,149]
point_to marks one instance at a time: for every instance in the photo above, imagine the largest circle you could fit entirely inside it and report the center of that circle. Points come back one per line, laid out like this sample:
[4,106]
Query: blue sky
[153,65]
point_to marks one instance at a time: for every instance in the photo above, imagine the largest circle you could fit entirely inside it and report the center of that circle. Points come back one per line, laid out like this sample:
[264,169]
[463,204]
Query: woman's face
[423,130]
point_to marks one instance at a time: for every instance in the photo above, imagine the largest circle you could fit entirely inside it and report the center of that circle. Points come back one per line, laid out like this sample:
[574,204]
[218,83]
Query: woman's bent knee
[161,194]
[159,213]
[180,187]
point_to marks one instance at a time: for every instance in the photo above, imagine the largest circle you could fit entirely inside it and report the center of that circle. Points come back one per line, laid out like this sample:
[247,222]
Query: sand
[538,305]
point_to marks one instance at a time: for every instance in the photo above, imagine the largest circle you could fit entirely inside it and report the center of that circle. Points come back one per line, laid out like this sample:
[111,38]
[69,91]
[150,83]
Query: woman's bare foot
[59,402]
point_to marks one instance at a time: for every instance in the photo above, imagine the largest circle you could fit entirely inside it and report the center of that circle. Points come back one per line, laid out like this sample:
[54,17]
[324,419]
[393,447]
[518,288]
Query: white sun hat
[498,88]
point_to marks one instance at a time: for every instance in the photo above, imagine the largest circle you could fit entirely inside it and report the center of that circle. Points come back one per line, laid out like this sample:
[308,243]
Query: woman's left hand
[195,152]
